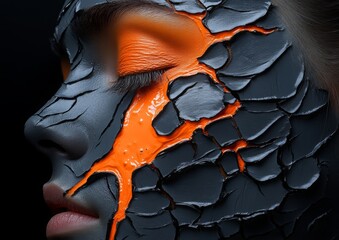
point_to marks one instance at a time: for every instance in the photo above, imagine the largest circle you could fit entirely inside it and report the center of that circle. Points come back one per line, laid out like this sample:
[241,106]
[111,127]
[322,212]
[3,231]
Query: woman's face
[185,120]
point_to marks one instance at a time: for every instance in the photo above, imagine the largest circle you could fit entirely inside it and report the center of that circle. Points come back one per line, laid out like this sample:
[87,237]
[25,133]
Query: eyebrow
[93,20]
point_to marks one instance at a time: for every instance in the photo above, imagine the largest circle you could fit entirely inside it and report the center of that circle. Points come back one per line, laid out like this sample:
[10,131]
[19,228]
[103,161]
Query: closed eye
[136,81]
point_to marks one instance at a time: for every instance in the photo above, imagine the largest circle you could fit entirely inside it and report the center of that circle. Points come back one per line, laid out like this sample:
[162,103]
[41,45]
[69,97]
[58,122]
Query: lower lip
[69,222]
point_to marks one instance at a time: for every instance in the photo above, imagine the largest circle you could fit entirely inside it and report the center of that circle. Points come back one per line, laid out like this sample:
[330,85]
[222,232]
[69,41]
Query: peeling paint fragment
[145,179]
[218,129]
[60,106]
[196,102]
[259,122]
[233,14]
[210,3]
[254,53]
[278,82]
[189,6]
[239,189]
[229,99]
[180,85]
[151,227]
[304,143]
[303,173]
[81,72]
[266,169]
[260,107]
[272,20]
[280,129]
[167,121]
[234,83]
[170,160]
[229,162]
[256,154]
[314,100]
[199,185]
[148,203]
[204,145]
[216,56]
[185,215]
[292,104]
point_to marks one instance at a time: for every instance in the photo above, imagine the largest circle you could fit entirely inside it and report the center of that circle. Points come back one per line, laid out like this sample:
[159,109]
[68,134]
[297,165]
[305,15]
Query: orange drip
[137,143]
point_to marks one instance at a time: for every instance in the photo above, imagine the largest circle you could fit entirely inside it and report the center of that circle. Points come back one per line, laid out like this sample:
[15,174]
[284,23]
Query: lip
[69,216]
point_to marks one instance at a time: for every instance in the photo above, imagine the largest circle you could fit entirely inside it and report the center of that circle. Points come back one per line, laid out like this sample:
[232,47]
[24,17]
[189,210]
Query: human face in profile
[170,119]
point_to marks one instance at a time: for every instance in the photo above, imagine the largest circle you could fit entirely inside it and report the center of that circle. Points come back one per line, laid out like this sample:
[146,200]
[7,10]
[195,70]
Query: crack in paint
[66,120]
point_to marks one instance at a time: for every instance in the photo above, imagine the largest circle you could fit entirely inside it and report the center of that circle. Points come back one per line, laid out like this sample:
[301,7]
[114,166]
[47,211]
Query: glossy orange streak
[137,143]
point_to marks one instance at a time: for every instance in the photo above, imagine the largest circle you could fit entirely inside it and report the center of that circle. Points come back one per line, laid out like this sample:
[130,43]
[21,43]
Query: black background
[29,75]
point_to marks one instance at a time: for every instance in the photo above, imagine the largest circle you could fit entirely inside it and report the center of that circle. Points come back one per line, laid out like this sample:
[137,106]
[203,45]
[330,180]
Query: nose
[63,140]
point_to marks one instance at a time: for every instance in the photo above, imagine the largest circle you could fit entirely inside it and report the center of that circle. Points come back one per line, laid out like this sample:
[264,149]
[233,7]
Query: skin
[97,136]
[57,138]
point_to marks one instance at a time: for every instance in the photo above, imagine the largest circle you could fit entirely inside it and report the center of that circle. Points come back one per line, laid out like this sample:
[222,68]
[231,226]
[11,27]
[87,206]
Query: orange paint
[137,143]
[241,163]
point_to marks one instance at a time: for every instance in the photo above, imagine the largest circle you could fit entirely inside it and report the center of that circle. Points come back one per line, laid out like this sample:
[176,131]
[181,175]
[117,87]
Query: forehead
[73,7]
[217,16]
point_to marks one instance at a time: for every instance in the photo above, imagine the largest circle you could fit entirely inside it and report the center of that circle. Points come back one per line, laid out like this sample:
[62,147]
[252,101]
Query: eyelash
[135,81]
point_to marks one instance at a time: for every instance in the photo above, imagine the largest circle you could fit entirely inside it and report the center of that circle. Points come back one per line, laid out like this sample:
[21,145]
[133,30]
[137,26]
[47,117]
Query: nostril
[47,144]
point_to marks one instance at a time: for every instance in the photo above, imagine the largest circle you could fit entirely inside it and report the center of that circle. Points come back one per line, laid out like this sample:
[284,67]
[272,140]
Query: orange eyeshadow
[151,41]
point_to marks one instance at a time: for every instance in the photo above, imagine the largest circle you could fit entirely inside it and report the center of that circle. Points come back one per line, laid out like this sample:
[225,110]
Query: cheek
[88,106]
